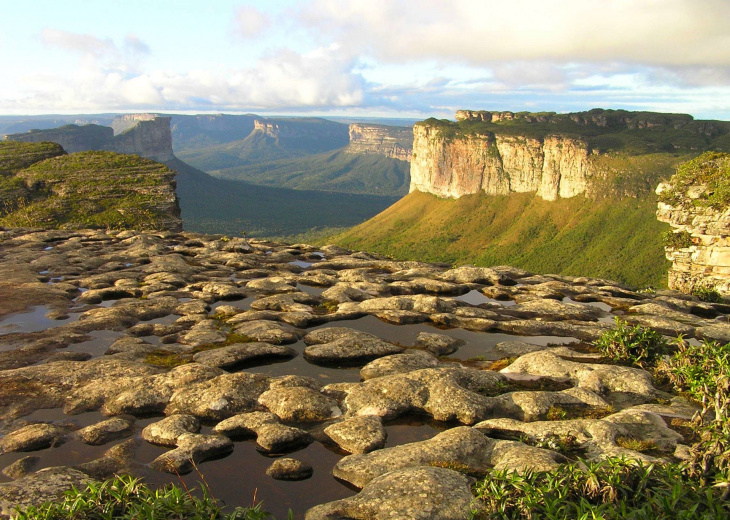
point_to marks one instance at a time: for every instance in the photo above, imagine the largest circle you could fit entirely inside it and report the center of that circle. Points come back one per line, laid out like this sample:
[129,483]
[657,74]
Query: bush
[615,488]
[127,497]
[632,345]
[677,240]
[707,293]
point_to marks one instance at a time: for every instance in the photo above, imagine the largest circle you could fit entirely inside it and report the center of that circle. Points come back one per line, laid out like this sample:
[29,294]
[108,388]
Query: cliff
[696,203]
[553,166]
[41,186]
[555,155]
[390,141]
[146,135]
[302,135]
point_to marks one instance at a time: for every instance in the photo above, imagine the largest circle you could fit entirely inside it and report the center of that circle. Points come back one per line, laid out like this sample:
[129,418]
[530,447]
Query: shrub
[707,293]
[632,345]
[677,240]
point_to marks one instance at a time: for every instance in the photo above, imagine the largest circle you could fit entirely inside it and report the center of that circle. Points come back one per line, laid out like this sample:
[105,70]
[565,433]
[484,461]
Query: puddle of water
[313,291]
[301,264]
[474,297]
[33,321]
[98,345]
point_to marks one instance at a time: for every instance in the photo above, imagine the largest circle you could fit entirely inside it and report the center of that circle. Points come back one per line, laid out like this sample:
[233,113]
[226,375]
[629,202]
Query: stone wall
[704,261]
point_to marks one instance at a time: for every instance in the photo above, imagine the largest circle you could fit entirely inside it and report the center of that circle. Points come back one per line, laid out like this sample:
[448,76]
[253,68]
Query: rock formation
[691,202]
[391,141]
[146,135]
[554,166]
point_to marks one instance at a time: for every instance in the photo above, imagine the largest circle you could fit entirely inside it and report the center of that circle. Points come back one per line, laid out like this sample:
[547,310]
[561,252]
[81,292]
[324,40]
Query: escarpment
[146,135]
[554,155]
[695,203]
[391,141]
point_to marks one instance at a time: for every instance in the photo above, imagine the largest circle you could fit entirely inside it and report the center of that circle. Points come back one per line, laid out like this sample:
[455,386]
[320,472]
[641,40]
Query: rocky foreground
[190,362]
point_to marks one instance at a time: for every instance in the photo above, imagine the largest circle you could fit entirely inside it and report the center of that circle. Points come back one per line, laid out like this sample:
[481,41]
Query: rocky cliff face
[391,141]
[700,249]
[146,135]
[553,166]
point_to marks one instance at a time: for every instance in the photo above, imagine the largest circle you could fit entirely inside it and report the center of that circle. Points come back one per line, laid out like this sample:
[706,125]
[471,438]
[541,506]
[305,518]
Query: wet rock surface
[151,353]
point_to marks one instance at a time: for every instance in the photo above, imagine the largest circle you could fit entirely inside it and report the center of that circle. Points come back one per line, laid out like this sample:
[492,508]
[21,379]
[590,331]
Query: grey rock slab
[521,458]
[515,348]
[587,331]
[360,434]
[21,467]
[595,377]
[271,435]
[220,397]
[33,437]
[534,405]
[666,326]
[106,431]
[461,447]
[270,286]
[438,344]
[407,361]
[240,353]
[407,494]
[299,404]
[289,469]
[478,275]
[714,332]
[446,393]
[290,302]
[665,311]
[454,321]
[552,310]
[192,448]
[428,286]
[203,333]
[269,331]
[166,432]
[46,485]
[340,344]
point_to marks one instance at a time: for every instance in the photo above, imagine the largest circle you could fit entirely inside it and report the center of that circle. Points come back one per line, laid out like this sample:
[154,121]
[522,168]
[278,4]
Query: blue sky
[409,58]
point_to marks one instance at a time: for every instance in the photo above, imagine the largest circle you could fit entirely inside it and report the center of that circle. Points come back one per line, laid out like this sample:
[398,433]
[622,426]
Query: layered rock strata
[553,166]
[391,141]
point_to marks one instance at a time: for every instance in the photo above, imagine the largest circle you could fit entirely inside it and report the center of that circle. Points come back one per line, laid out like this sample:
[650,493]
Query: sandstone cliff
[553,166]
[307,135]
[391,141]
[146,135]
[694,203]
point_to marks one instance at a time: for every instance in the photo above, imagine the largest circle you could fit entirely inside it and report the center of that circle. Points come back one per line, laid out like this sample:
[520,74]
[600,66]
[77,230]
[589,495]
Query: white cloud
[482,32]
[250,22]
[80,43]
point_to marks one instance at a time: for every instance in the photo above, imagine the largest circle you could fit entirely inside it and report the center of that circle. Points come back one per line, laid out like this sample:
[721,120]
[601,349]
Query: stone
[106,431]
[270,434]
[438,344]
[552,310]
[269,332]
[192,448]
[299,404]
[406,361]
[515,348]
[46,485]
[238,354]
[343,345]
[21,467]
[289,469]
[360,434]
[166,432]
[33,437]
[462,447]
[406,494]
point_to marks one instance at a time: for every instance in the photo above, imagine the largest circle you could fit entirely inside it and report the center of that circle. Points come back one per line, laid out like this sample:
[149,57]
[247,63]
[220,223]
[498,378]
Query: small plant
[556,413]
[632,345]
[678,240]
[127,498]
[632,443]
[707,293]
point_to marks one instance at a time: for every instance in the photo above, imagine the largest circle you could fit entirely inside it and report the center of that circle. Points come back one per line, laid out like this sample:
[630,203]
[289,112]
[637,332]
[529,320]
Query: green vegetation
[614,488]
[632,345]
[678,240]
[330,171]
[710,170]
[14,156]
[632,133]
[618,239]
[89,189]
[127,498]
[212,205]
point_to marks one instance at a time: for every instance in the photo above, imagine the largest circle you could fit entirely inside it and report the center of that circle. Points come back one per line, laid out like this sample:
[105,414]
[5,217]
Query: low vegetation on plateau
[41,186]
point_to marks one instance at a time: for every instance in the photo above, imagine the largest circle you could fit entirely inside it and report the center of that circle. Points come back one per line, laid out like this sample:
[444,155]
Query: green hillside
[212,205]
[329,171]
[615,239]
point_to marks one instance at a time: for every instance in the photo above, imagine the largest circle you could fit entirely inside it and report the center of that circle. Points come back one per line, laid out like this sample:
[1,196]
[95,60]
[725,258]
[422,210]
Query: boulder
[192,448]
[348,346]
[238,354]
[360,434]
[289,469]
[166,432]
[299,404]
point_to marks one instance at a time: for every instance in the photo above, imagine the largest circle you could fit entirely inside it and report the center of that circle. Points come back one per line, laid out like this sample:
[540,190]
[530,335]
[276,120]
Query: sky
[379,58]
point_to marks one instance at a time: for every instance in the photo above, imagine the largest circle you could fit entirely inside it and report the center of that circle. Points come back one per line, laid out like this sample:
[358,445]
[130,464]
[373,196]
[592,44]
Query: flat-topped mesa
[391,141]
[146,135]
[552,166]
[695,203]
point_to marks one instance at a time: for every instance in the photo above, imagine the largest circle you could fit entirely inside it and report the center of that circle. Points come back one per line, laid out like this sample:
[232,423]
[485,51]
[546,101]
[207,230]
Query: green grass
[711,170]
[618,239]
[330,171]
[632,345]
[127,498]
[14,155]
